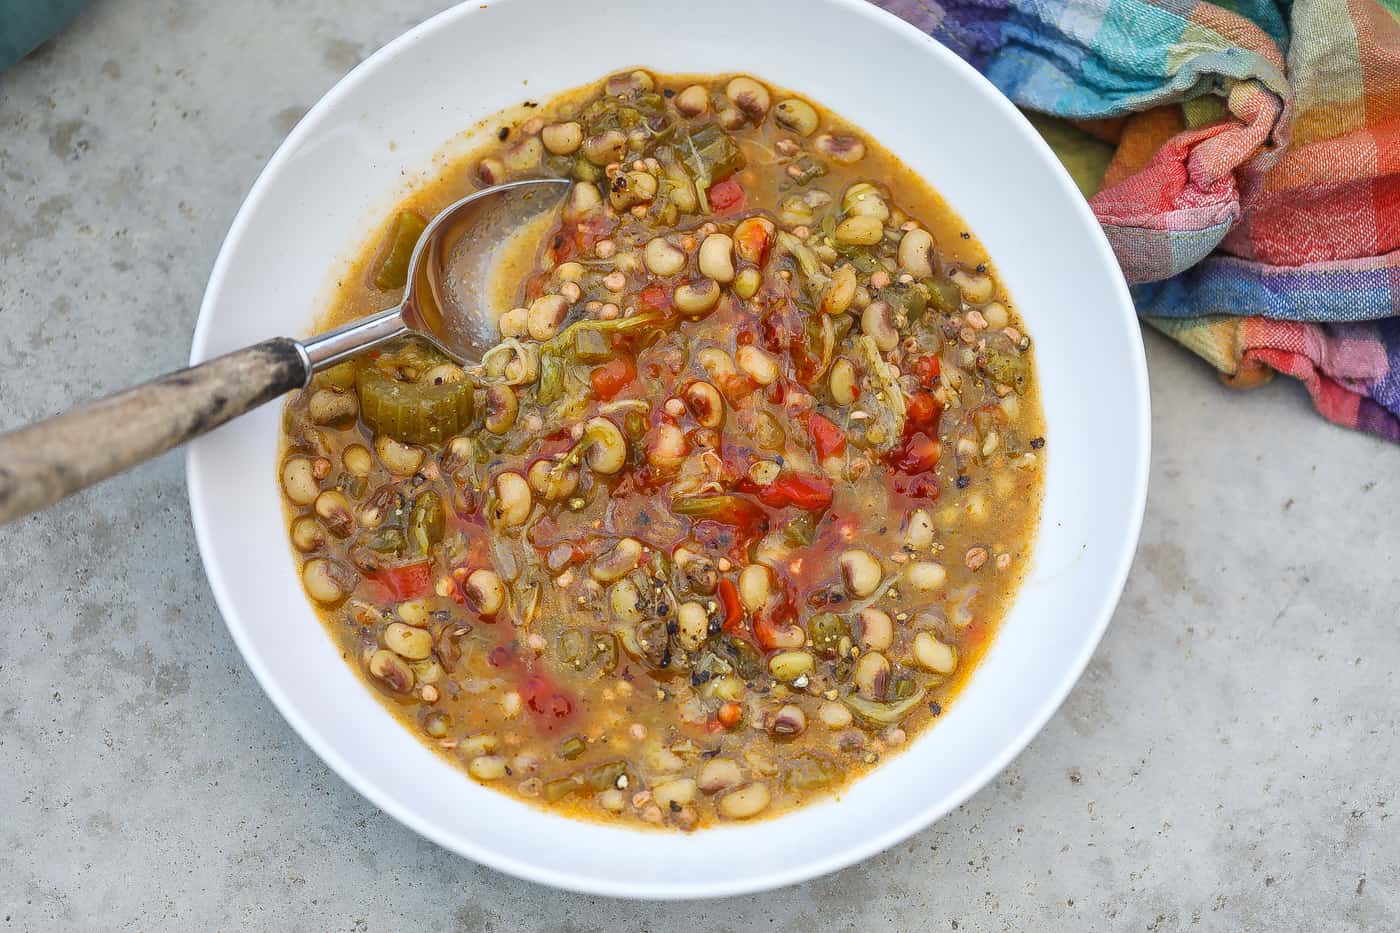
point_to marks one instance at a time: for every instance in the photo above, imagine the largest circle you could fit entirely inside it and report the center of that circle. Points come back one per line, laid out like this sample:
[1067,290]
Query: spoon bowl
[447,300]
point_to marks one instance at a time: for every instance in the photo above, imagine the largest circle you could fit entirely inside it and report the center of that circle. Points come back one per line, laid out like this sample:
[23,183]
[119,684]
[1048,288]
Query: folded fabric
[1244,163]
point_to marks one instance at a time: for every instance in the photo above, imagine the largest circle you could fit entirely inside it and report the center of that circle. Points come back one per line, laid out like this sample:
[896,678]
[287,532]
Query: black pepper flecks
[1037,443]
[964,481]
[935,709]
[503,133]
[981,267]
[668,93]
[965,235]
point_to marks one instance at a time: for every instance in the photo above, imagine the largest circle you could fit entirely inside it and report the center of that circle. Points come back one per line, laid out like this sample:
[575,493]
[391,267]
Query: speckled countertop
[1228,762]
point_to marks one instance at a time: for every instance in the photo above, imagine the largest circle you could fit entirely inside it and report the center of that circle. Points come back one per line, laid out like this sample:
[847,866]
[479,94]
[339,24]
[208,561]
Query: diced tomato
[926,369]
[918,454]
[733,608]
[726,197]
[923,410]
[549,704]
[654,298]
[407,582]
[830,440]
[612,377]
[807,491]
[752,238]
[729,714]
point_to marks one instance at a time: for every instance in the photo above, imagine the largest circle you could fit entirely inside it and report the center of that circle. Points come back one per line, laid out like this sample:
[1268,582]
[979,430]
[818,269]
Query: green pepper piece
[558,789]
[386,541]
[808,772]
[877,714]
[425,521]
[943,294]
[747,663]
[572,747]
[800,531]
[393,268]
[1007,368]
[417,413]
[601,777]
[826,630]
[590,346]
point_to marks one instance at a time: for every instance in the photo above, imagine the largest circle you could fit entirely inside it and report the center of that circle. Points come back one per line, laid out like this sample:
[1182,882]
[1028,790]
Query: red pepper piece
[726,197]
[612,377]
[407,582]
[733,608]
[829,439]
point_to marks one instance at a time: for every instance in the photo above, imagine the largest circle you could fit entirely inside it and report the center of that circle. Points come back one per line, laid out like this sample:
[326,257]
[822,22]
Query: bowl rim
[780,876]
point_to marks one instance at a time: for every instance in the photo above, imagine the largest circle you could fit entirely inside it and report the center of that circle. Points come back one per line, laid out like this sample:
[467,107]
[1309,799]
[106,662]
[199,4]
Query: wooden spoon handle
[47,461]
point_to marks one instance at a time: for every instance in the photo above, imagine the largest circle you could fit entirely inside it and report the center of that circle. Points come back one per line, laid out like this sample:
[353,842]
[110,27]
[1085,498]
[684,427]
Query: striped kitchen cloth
[1244,160]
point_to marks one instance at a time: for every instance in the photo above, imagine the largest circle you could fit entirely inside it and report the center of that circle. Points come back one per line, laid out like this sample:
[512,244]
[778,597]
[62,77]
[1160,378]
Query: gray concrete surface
[1228,762]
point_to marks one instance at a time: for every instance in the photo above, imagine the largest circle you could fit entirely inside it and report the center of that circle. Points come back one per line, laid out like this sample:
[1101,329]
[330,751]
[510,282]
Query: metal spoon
[445,301]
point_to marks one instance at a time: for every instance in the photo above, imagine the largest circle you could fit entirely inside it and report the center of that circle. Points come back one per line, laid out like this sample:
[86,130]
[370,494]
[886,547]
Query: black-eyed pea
[485,592]
[552,481]
[747,282]
[515,322]
[834,715]
[755,587]
[918,530]
[398,458]
[491,171]
[996,315]
[607,449]
[787,666]
[617,562]
[730,118]
[335,512]
[718,774]
[308,534]
[840,291]
[562,138]
[514,500]
[391,670]
[926,576]
[716,258]
[760,365]
[877,322]
[860,230]
[976,287]
[749,96]
[625,601]
[546,314]
[745,802]
[524,155]
[844,390]
[326,581]
[357,459]
[604,148]
[875,629]
[299,481]
[843,150]
[916,253]
[872,675]
[693,101]
[788,721]
[672,795]
[865,200]
[698,298]
[705,403]
[583,201]
[502,408]
[663,257]
[327,406]
[693,625]
[796,115]
[861,571]
[413,644]
[487,767]
[933,655]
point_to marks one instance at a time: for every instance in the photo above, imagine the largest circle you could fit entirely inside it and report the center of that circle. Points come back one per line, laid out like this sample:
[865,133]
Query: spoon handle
[47,461]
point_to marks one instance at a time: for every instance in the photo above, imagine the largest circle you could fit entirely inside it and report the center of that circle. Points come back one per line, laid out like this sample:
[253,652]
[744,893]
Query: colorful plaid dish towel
[1244,160]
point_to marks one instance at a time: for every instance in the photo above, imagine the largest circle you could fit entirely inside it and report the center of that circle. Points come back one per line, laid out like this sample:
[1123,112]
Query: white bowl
[343,167]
